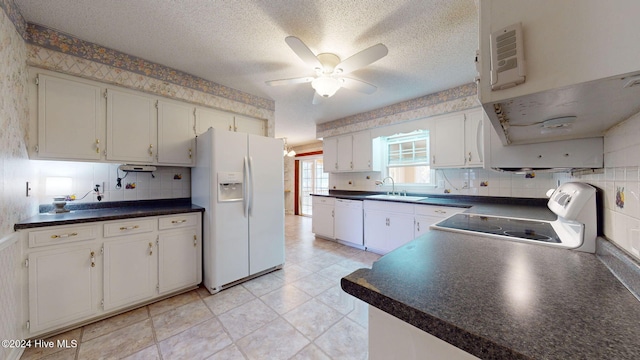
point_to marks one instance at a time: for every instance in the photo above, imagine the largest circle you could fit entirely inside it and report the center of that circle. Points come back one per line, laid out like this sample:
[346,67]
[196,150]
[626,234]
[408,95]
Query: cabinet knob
[195,241]
[150,248]
[97,146]
[150,149]
[93,259]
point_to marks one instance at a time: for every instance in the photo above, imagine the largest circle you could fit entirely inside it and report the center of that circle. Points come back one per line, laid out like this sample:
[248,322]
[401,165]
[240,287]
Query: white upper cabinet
[448,142]
[217,119]
[250,125]
[175,133]
[474,138]
[345,153]
[70,119]
[131,127]
[458,140]
[330,154]
[207,118]
[350,153]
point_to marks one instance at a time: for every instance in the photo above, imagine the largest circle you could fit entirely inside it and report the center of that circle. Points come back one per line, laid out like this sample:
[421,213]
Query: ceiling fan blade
[303,52]
[362,59]
[317,98]
[299,80]
[358,85]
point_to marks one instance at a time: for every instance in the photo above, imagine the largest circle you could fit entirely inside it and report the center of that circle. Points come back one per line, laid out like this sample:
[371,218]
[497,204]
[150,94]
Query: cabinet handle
[178,221]
[332,213]
[63,235]
[190,153]
[93,259]
[150,248]
[97,146]
[123,228]
[418,225]
[469,156]
[150,149]
[440,211]
[351,164]
[195,241]
[433,159]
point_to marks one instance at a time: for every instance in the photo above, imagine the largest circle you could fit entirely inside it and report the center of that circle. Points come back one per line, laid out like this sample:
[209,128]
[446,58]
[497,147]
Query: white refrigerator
[239,180]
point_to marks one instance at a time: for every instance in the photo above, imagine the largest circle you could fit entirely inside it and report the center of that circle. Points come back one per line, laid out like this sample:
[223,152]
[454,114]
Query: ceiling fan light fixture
[326,86]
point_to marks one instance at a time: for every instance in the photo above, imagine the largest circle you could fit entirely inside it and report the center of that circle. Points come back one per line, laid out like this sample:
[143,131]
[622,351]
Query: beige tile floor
[299,312]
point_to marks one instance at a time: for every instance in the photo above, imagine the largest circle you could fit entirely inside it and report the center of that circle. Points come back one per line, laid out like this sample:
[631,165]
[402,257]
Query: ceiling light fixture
[326,86]
[286,150]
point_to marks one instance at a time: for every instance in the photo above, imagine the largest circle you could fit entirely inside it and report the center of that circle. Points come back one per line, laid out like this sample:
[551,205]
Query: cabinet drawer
[178,221]
[317,200]
[120,228]
[62,235]
[437,211]
[388,206]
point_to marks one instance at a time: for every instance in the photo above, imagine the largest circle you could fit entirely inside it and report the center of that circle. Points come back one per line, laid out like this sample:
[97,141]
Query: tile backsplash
[478,182]
[620,185]
[166,182]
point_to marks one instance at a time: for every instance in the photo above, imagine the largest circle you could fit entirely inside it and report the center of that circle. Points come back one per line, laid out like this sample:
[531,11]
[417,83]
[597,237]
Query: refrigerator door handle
[245,188]
[250,185]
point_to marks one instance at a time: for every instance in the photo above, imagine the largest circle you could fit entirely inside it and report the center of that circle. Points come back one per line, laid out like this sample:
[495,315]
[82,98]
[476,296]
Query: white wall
[15,169]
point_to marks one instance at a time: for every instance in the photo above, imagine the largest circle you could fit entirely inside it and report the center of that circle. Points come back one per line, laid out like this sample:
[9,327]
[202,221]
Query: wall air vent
[507,57]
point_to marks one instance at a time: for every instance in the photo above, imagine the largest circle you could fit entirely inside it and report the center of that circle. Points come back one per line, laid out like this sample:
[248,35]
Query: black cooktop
[516,228]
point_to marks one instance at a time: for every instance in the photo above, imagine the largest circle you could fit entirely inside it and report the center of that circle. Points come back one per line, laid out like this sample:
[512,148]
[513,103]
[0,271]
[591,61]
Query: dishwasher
[349,222]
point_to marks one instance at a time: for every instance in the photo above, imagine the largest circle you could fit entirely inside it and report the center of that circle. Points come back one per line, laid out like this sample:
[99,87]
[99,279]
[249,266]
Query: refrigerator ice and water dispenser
[230,186]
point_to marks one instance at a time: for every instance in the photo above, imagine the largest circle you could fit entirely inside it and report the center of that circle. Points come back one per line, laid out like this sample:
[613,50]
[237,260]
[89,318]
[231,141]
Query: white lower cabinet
[392,338]
[78,273]
[322,221]
[426,215]
[63,285]
[177,252]
[387,225]
[130,270]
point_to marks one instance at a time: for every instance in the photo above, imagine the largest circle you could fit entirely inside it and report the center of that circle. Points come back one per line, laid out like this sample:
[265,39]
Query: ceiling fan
[330,70]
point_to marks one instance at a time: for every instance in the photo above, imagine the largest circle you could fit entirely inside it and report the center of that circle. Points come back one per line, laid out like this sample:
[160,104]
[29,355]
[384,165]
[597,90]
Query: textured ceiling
[240,44]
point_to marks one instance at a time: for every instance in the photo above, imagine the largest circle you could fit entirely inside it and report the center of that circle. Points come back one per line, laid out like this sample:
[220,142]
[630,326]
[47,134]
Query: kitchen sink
[396,197]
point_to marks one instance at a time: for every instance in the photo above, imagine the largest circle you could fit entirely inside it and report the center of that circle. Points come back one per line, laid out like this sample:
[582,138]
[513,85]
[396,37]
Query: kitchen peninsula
[498,299]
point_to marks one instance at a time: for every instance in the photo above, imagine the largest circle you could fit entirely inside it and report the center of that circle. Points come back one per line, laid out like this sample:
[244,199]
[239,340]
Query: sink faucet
[393,184]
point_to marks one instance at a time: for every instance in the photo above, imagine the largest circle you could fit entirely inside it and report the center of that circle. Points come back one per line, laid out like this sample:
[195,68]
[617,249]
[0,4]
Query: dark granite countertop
[499,299]
[91,212]
[529,208]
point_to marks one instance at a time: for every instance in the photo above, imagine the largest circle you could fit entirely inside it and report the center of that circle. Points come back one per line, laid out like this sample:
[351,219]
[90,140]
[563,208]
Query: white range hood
[577,111]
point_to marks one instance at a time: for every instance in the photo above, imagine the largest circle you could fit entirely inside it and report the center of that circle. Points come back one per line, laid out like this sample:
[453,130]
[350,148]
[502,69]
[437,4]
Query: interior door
[266,217]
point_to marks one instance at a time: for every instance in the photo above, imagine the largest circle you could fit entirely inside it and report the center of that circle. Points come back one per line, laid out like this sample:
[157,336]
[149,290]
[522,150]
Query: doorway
[313,180]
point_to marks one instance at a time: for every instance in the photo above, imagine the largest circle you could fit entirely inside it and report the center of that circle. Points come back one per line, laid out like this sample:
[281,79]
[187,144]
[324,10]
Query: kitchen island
[498,299]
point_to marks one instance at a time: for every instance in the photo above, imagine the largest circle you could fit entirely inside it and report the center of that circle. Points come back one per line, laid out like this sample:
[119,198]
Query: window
[407,158]
[313,180]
